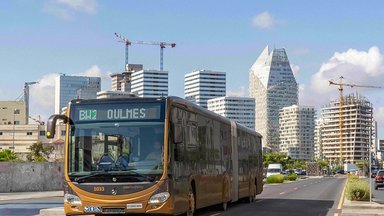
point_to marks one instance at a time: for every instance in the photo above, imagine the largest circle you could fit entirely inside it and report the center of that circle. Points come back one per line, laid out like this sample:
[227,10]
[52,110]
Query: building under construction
[345,138]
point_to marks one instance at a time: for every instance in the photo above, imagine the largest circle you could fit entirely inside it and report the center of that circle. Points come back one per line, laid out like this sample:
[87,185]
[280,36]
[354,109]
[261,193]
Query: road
[316,196]
[28,207]
[319,196]
[378,195]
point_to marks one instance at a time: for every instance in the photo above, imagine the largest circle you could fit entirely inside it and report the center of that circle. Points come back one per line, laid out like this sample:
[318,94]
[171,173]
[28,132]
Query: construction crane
[37,120]
[26,98]
[340,85]
[162,46]
[128,43]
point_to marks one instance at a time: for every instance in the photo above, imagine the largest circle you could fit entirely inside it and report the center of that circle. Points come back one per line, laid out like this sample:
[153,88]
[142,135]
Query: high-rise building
[273,85]
[68,88]
[356,127]
[202,85]
[318,147]
[297,126]
[122,82]
[150,83]
[239,109]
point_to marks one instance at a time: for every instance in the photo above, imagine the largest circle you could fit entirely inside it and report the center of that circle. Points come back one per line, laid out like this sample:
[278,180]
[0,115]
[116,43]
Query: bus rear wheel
[224,206]
[252,196]
[191,202]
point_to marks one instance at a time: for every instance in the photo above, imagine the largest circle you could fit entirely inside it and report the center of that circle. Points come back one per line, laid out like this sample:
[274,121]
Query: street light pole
[369,164]
[13,134]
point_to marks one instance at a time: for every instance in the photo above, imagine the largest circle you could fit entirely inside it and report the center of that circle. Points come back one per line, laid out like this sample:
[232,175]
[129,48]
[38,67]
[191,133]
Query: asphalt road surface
[318,196]
[28,207]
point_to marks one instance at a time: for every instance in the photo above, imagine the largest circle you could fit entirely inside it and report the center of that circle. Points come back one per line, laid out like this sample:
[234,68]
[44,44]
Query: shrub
[275,179]
[292,177]
[7,155]
[352,177]
[357,190]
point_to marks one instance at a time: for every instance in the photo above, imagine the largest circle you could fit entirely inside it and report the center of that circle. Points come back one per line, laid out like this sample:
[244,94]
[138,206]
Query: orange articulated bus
[155,156]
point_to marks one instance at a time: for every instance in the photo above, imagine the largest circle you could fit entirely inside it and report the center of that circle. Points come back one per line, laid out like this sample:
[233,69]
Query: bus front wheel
[191,202]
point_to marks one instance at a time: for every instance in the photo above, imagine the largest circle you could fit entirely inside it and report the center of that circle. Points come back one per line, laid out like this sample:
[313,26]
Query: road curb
[59,211]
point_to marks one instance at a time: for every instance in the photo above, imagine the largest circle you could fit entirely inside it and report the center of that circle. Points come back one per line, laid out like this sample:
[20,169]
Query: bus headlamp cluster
[159,198]
[72,199]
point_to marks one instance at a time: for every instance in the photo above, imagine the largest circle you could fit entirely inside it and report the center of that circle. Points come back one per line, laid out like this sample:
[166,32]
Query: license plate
[114,210]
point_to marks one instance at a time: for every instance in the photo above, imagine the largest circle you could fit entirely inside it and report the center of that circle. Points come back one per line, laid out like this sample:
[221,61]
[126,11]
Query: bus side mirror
[51,125]
[177,133]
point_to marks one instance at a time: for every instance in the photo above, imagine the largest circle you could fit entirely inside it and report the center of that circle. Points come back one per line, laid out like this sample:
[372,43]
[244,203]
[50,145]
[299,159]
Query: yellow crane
[340,85]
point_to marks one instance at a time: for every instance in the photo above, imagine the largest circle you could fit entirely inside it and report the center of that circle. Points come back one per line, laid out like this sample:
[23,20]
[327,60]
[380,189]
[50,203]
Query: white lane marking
[295,188]
[282,193]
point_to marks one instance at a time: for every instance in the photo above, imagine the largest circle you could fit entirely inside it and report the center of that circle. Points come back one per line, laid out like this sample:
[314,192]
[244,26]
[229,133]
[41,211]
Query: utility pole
[26,99]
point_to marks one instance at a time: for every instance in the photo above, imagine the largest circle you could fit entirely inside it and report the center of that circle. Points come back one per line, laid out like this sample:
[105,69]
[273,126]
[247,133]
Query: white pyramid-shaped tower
[273,85]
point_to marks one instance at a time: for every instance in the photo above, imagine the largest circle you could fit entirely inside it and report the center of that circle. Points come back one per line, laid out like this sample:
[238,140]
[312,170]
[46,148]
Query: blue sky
[323,39]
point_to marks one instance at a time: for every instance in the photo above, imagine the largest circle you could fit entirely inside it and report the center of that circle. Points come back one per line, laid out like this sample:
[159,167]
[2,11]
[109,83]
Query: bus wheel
[252,196]
[191,202]
[224,206]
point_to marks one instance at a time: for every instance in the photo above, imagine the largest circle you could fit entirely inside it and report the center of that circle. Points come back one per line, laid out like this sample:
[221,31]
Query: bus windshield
[104,147]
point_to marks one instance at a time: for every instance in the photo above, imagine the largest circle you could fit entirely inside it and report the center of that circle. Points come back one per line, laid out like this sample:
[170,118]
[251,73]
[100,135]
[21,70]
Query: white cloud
[295,70]
[379,115]
[264,21]
[42,95]
[95,71]
[357,67]
[65,9]
[238,93]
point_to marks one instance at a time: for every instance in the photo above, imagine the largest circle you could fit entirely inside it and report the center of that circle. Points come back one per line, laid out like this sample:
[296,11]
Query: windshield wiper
[82,178]
[109,173]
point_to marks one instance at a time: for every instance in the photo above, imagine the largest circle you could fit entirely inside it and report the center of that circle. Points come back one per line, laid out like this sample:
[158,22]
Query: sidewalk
[29,195]
[355,208]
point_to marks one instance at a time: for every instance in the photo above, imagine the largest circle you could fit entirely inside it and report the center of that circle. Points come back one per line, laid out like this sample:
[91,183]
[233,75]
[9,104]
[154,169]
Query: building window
[11,147]
[16,122]
[1,133]
[42,133]
[63,133]
[17,111]
[29,133]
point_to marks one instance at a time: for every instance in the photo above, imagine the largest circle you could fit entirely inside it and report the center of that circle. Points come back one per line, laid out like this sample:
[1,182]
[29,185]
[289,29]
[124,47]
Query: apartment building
[202,85]
[239,109]
[20,137]
[150,83]
[12,113]
[349,139]
[297,126]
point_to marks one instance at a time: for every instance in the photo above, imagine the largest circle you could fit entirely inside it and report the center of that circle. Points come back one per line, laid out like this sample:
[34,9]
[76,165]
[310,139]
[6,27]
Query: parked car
[379,179]
[288,172]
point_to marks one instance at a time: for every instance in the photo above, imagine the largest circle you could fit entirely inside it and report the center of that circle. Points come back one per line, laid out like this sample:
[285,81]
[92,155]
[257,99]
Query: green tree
[39,153]
[276,157]
[7,155]
[324,164]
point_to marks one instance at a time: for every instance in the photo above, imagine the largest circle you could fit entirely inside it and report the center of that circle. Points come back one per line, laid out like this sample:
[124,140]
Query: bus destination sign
[118,112]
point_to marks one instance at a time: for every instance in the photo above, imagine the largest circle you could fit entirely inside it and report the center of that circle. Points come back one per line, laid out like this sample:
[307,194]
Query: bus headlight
[159,198]
[72,199]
